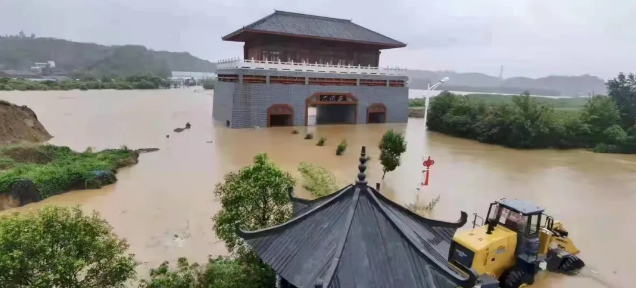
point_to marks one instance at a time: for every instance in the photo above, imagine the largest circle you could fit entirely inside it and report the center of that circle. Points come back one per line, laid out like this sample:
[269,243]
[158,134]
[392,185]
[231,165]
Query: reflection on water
[164,204]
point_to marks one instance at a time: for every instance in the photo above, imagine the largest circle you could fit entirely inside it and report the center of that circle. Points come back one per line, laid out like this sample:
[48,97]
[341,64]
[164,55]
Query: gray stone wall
[249,102]
[222,104]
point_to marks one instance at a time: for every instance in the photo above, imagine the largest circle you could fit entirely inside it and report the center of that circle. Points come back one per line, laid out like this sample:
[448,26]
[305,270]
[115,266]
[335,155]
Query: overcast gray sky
[529,37]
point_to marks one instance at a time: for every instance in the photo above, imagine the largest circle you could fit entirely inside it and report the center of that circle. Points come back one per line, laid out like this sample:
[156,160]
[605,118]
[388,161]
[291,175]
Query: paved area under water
[170,192]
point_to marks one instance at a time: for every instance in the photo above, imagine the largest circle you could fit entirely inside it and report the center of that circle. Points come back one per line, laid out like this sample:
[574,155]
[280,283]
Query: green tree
[317,180]
[623,90]
[392,145]
[217,273]
[599,113]
[253,198]
[62,247]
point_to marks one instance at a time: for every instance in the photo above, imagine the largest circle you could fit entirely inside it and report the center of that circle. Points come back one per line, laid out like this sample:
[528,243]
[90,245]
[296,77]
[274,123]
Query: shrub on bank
[217,273]
[89,83]
[527,124]
[208,84]
[57,169]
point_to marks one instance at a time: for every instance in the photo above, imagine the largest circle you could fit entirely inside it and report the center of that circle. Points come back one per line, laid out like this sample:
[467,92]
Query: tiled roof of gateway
[295,24]
[357,238]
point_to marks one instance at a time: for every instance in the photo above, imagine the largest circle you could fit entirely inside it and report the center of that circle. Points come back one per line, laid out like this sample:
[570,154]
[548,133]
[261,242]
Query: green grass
[57,169]
[493,99]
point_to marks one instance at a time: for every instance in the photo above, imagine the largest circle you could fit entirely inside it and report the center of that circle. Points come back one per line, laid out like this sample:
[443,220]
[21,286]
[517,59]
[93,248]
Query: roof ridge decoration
[362,167]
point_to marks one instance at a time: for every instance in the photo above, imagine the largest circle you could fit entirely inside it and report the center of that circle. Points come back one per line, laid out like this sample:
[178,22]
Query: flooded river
[170,192]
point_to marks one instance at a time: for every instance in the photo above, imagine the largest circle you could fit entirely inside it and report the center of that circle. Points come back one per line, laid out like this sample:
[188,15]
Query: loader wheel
[514,279]
[571,264]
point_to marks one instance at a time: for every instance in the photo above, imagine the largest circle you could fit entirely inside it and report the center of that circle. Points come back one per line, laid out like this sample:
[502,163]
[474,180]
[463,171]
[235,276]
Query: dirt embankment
[19,123]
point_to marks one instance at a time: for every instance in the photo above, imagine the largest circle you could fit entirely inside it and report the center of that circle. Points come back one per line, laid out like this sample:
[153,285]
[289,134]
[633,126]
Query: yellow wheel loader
[516,241]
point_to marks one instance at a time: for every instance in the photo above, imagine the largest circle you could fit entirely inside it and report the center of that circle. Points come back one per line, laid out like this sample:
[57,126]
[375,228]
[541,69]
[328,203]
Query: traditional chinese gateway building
[292,62]
[357,238]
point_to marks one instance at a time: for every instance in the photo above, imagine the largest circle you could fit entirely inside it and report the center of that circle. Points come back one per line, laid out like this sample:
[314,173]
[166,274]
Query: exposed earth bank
[30,171]
[19,123]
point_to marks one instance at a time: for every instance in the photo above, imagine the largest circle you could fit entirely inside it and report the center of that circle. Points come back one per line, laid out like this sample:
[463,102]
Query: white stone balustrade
[237,63]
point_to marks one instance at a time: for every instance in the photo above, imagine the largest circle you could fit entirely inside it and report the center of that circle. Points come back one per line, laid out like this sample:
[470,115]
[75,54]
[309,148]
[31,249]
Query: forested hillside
[22,51]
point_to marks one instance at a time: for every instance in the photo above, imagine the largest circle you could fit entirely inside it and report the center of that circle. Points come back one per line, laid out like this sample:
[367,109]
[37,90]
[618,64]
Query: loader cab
[516,215]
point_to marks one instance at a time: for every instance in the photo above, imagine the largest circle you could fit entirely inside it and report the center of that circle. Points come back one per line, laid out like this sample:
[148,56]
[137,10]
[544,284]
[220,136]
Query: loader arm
[555,236]
[560,251]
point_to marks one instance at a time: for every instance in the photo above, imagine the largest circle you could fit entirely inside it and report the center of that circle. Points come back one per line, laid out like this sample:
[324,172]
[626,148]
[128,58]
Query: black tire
[513,279]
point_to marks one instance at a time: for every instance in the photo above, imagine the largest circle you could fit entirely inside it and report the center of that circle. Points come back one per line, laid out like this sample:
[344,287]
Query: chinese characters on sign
[332,98]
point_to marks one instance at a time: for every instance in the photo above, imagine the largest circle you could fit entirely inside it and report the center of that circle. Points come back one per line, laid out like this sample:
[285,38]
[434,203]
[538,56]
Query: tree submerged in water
[317,180]
[255,197]
[392,145]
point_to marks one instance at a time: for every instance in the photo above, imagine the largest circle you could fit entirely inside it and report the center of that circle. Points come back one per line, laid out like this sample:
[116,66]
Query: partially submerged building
[291,62]
[357,238]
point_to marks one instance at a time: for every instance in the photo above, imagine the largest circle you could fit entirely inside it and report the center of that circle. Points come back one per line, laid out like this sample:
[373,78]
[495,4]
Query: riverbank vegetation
[32,172]
[602,124]
[495,99]
[142,81]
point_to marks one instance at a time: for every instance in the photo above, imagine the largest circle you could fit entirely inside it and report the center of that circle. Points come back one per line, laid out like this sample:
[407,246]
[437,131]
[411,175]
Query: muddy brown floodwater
[170,192]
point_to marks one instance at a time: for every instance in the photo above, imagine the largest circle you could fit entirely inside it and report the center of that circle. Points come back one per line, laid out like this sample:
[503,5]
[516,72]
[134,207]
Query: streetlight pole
[426,98]
[426,101]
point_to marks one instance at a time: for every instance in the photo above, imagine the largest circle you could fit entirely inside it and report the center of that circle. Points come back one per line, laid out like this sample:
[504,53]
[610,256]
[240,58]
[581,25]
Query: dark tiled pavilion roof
[310,26]
[357,238]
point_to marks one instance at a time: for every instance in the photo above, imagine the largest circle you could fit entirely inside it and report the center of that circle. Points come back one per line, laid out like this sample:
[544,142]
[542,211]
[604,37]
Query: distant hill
[21,52]
[478,82]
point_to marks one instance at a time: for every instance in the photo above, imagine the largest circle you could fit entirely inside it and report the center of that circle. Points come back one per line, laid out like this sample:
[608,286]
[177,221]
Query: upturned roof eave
[281,227]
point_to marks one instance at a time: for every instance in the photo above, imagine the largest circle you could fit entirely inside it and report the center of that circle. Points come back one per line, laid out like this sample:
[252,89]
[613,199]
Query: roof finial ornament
[362,167]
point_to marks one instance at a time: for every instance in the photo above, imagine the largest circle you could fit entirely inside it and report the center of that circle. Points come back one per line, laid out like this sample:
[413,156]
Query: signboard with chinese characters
[332,98]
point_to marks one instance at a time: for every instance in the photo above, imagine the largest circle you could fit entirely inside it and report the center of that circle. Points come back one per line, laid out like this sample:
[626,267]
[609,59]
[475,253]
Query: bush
[217,273]
[321,141]
[83,87]
[294,131]
[208,84]
[62,247]
[317,180]
[309,136]
[55,169]
[341,147]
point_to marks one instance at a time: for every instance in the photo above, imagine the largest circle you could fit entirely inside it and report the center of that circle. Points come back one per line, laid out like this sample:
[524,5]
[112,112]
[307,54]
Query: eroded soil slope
[19,123]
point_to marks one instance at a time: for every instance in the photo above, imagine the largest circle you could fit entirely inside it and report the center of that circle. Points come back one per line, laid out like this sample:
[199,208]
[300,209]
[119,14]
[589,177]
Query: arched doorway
[376,113]
[332,108]
[280,115]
